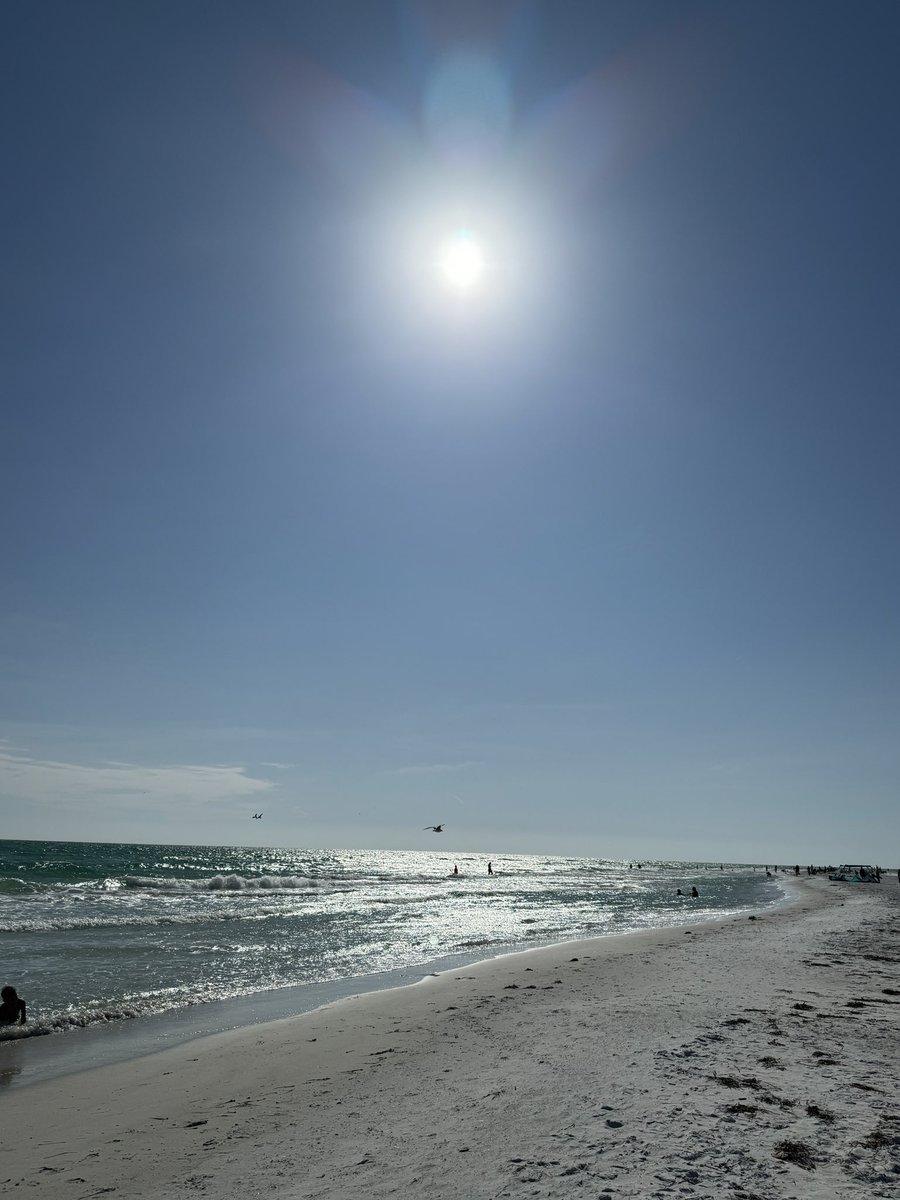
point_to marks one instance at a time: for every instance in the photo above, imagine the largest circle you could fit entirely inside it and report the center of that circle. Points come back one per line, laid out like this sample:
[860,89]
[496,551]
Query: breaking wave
[81,1019]
[126,1009]
[231,883]
[12,886]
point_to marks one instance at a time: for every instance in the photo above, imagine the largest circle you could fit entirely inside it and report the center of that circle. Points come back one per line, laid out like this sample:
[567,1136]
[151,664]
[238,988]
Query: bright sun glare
[461,263]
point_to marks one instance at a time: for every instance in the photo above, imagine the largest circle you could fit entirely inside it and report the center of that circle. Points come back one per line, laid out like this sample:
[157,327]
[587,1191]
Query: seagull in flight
[257,816]
[435,828]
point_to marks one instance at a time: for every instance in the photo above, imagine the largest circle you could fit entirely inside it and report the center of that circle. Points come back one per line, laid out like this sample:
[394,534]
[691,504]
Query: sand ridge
[748,1058]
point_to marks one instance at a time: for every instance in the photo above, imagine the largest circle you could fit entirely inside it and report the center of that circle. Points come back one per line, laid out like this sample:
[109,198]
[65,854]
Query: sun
[461,263]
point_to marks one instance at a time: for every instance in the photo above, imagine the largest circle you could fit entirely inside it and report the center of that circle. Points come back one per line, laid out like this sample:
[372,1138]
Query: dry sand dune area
[755,1058]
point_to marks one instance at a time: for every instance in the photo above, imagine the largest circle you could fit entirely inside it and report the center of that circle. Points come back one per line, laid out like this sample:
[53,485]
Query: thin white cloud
[725,767]
[434,768]
[276,766]
[47,781]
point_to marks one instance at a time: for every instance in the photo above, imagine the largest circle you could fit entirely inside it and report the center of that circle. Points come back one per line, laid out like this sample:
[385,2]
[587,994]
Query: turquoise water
[96,933]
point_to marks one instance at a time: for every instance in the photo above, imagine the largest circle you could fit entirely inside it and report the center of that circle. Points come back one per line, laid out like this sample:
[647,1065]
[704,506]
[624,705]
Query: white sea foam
[90,1015]
[230,883]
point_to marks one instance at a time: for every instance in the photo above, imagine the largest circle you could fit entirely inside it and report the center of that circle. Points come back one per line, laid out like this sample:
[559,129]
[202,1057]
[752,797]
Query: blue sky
[598,557]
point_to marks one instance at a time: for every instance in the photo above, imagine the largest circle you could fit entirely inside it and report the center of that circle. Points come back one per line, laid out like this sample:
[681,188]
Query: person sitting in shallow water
[12,1010]
[694,893]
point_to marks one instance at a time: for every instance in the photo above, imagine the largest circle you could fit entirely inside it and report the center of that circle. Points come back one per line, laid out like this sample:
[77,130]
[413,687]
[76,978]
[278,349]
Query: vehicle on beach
[855,874]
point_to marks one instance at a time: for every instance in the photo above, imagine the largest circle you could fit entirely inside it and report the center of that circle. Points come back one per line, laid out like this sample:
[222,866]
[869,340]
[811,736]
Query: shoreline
[663,1063]
[27,1060]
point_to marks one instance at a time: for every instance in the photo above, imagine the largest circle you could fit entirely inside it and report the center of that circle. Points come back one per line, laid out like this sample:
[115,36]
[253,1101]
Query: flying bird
[257,816]
[435,828]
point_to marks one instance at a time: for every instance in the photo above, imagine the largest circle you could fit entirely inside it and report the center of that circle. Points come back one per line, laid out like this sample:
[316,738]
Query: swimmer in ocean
[12,1010]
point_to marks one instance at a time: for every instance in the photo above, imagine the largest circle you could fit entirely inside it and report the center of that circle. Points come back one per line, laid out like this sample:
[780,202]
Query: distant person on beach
[490,868]
[455,869]
[12,1010]
[695,893]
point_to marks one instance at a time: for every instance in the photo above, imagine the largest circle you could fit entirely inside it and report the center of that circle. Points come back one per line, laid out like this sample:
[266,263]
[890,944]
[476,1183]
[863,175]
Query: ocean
[95,935]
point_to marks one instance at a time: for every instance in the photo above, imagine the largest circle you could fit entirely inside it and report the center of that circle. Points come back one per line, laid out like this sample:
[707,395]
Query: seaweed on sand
[797,1153]
[815,1110]
[732,1081]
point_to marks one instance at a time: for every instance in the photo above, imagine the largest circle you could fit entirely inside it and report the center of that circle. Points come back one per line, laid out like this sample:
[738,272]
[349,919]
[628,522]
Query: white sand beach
[748,1058]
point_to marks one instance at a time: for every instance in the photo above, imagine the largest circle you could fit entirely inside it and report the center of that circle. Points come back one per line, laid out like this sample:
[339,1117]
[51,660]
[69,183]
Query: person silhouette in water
[12,1010]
